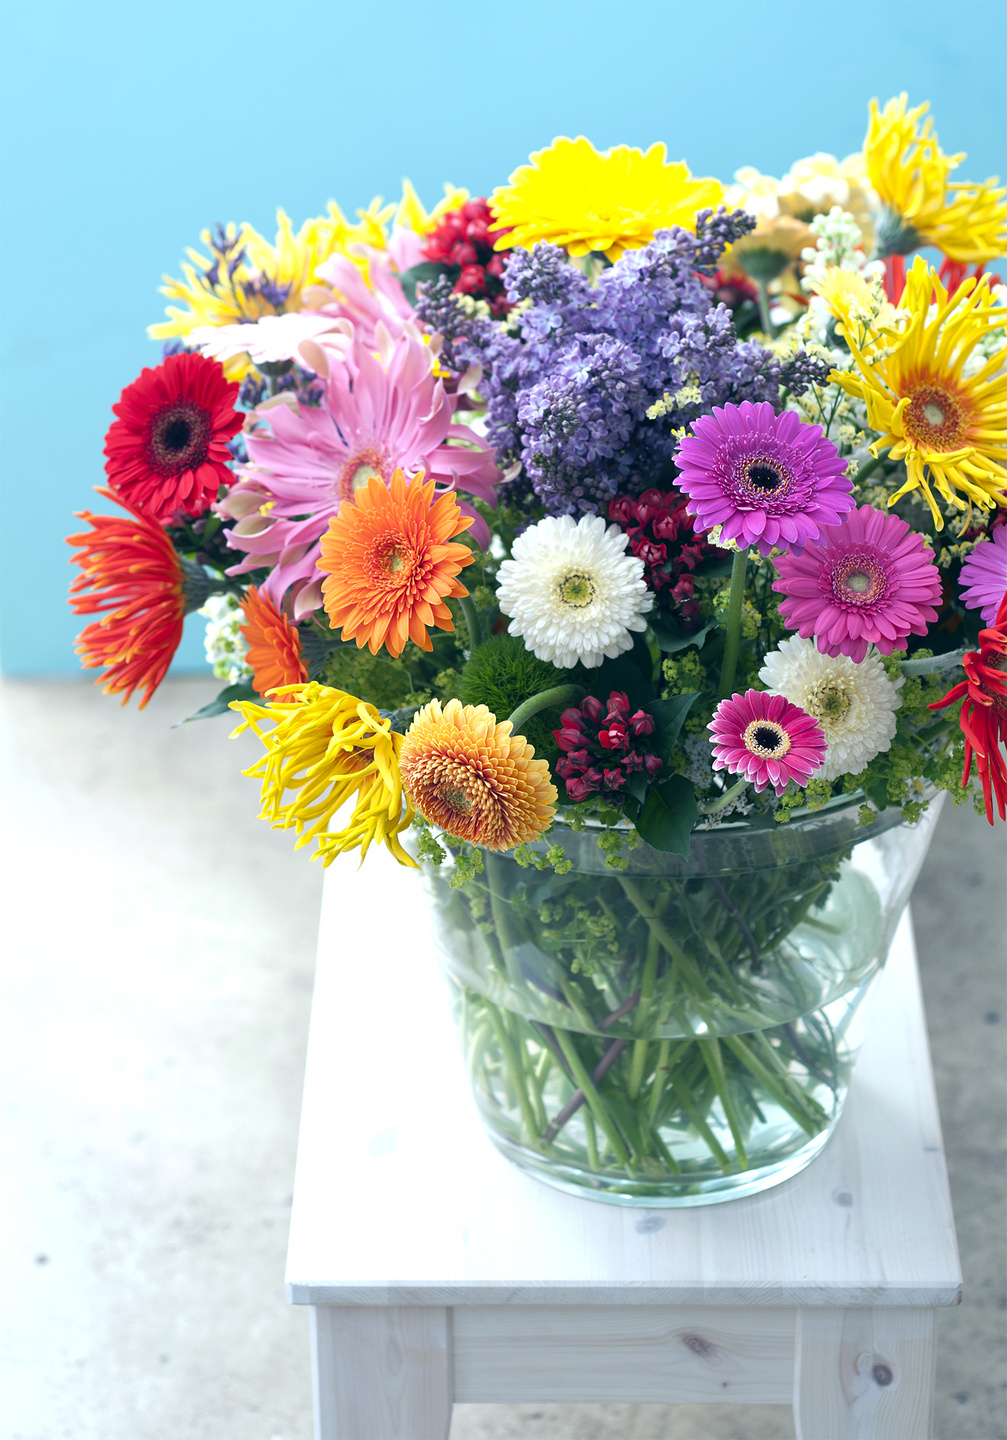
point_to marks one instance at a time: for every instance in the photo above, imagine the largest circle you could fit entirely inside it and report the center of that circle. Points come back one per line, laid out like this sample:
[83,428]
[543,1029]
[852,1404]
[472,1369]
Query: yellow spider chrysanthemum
[246,277]
[910,173]
[950,429]
[325,747]
[571,195]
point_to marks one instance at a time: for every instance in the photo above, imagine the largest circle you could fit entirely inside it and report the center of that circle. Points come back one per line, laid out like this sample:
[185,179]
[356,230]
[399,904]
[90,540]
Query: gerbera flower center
[766,738]
[860,580]
[178,438]
[935,418]
[392,561]
[576,589]
[827,700]
[764,475]
[358,469]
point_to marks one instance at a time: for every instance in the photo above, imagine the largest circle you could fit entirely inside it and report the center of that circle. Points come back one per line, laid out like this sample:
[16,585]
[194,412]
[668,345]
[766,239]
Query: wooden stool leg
[864,1373]
[381,1372]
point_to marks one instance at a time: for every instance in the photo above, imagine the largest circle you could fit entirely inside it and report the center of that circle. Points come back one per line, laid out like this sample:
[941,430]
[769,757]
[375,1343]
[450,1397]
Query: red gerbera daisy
[984,712]
[137,585]
[168,449]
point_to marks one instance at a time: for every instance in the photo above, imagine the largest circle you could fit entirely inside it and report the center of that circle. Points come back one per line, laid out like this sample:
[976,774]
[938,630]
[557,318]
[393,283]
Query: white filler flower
[224,643]
[572,591]
[854,704]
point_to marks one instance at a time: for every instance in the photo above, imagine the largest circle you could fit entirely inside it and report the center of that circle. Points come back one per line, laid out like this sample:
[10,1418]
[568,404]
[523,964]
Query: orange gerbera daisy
[133,578]
[464,771]
[274,646]
[390,566]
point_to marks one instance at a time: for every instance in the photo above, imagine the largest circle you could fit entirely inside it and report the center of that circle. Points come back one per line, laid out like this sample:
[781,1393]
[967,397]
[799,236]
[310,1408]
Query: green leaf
[669,716]
[422,274]
[622,673]
[222,703]
[672,637]
[667,818]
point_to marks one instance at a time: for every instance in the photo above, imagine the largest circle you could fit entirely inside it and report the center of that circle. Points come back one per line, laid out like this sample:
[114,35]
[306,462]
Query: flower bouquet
[628,553]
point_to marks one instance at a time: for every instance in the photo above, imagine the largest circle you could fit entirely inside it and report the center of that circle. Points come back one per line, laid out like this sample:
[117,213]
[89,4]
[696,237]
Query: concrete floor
[154,998]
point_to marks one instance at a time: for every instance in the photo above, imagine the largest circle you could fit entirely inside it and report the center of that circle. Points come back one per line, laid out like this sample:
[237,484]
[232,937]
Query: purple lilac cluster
[601,748]
[568,383]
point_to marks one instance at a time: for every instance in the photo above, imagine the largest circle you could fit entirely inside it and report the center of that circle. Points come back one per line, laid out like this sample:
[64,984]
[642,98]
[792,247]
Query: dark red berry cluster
[600,747]
[465,238]
[661,534]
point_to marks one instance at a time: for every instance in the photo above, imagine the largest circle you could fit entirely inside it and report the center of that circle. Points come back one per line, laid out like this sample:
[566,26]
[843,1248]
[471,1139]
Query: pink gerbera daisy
[767,739]
[983,581]
[380,413]
[769,480]
[869,581]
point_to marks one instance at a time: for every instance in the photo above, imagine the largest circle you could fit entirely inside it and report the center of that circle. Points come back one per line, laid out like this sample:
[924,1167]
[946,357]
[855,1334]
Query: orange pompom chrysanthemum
[466,772]
[390,565]
[274,646]
[137,585]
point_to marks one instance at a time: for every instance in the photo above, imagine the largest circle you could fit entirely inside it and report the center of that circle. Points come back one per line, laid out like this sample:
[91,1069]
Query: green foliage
[553,859]
[612,843]
[501,674]
[468,864]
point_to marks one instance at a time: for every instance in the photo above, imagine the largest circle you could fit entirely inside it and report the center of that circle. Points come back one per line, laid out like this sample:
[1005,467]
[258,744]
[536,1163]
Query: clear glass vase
[679,1032]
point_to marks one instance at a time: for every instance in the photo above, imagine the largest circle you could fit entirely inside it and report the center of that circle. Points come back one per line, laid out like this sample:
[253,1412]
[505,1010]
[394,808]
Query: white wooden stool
[437,1271]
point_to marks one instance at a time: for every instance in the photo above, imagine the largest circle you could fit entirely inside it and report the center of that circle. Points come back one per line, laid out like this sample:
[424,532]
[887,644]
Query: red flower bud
[471,281]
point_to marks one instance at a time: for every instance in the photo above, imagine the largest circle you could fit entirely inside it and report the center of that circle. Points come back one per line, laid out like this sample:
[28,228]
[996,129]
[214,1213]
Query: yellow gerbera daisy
[950,430]
[910,173]
[571,195]
[325,747]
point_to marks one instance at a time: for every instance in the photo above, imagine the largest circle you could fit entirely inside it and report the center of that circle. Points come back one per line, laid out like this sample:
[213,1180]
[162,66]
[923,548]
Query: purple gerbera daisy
[983,580]
[769,480]
[869,581]
[767,739]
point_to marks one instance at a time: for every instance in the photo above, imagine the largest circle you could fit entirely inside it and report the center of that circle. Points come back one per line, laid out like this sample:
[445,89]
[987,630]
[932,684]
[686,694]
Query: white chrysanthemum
[572,592]
[224,643]
[854,704]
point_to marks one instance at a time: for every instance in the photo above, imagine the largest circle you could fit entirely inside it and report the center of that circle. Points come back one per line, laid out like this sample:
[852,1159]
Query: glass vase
[678,1032]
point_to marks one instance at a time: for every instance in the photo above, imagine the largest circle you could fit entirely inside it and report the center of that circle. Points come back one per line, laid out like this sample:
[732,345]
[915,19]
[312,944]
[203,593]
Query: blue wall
[128,127]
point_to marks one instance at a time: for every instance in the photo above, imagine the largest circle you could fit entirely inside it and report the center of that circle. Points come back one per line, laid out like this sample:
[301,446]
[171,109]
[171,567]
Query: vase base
[671,1194]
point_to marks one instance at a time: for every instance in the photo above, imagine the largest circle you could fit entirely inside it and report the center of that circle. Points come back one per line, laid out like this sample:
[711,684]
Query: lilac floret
[770,480]
[983,580]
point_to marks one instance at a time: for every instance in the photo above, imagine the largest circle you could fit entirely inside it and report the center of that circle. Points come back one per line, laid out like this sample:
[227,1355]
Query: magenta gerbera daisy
[869,581]
[767,739]
[380,413]
[983,580]
[168,449]
[769,480]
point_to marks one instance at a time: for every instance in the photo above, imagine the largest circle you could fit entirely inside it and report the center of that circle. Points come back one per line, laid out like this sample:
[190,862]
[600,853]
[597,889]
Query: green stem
[772,1084]
[735,606]
[714,807]
[592,1097]
[515,1072]
[592,1141]
[639,1061]
[867,470]
[472,621]
[556,695]
[710,1051]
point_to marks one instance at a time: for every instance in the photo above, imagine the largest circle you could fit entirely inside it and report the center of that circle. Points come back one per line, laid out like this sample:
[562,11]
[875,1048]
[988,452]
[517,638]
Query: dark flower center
[178,438]
[766,738]
[762,477]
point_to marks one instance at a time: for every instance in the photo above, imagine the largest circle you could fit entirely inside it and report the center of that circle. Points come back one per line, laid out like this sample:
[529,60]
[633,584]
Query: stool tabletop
[401,1199]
